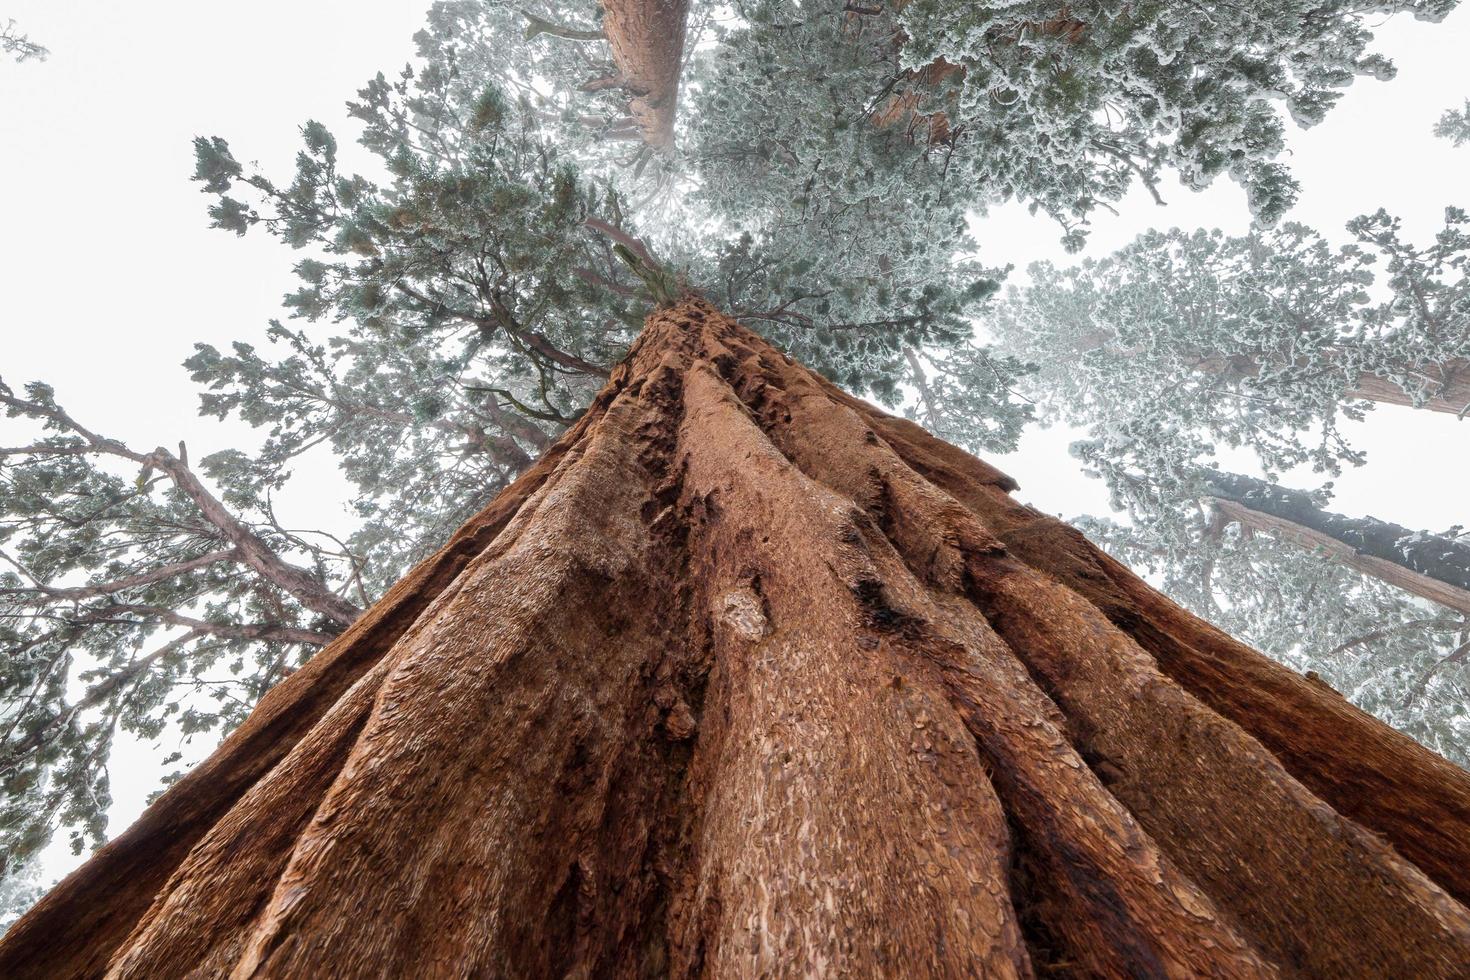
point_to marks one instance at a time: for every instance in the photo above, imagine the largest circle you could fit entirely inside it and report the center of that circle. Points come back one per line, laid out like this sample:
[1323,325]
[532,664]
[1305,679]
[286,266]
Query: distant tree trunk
[1447,386]
[746,677]
[647,41]
[901,108]
[1429,565]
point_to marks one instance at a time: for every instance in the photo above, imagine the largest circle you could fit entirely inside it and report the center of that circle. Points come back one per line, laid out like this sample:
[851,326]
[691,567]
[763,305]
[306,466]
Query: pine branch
[251,549]
[536,26]
[46,595]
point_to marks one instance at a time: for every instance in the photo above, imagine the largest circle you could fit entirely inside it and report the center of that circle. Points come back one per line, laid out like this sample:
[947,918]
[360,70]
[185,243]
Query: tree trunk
[1446,386]
[1432,566]
[647,41]
[746,678]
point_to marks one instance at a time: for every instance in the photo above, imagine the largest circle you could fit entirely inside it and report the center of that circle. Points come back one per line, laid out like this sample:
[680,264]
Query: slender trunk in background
[747,678]
[1432,566]
[647,41]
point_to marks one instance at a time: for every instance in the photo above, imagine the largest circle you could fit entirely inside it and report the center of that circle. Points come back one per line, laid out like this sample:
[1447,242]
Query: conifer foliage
[19,46]
[1183,342]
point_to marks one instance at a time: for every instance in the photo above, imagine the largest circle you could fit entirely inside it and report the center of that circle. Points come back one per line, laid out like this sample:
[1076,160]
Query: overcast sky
[110,274]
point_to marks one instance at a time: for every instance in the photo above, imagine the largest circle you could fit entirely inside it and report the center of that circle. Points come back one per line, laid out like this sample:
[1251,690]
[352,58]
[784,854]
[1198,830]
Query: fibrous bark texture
[747,678]
[647,41]
[1434,566]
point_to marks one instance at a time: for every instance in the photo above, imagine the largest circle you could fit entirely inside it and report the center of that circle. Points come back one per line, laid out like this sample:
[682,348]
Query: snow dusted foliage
[1402,659]
[1065,105]
[1184,342]
[1454,125]
[132,600]
[19,46]
[1419,339]
[967,396]
[548,59]
[470,309]
[836,222]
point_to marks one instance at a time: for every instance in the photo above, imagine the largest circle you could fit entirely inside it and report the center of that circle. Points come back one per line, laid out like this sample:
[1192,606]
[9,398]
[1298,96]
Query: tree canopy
[1185,342]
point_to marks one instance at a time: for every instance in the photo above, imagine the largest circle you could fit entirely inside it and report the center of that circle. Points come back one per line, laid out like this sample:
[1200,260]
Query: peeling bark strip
[747,678]
[1429,565]
[647,41]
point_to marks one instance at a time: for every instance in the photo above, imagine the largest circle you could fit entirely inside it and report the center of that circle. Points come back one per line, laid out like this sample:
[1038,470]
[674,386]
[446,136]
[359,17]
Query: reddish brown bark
[1449,388]
[647,41]
[748,678]
[901,109]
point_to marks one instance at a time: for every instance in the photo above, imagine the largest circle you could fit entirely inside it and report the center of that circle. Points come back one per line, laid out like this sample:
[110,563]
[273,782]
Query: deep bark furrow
[1364,769]
[1219,803]
[848,791]
[747,678]
[536,649]
[1116,901]
[1348,862]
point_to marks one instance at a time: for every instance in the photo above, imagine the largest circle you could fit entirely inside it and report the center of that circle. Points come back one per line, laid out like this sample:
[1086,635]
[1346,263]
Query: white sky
[109,274]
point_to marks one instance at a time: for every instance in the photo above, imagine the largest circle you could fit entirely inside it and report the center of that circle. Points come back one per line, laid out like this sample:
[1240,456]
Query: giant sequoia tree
[741,674]
[745,676]
[1187,341]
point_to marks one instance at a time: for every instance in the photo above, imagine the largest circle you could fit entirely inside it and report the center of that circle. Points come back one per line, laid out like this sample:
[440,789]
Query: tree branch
[253,551]
[540,25]
[39,737]
[158,574]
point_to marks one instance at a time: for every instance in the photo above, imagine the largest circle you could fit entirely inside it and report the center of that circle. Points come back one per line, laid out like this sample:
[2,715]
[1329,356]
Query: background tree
[1184,342]
[1432,566]
[1067,104]
[835,206]
[1307,598]
[1184,345]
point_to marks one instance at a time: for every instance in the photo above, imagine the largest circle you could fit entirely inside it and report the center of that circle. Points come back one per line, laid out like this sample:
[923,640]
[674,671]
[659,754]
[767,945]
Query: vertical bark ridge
[546,646]
[1418,801]
[1211,796]
[746,678]
[228,873]
[850,829]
